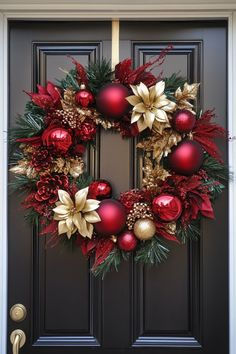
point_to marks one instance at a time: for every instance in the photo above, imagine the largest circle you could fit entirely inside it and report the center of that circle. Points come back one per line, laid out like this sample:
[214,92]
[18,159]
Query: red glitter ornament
[186,158]
[86,131]
[84,97]
[113,218]
[57,137]
[127,241]
[111,101]
[167,207]
[100,189]
[183,121]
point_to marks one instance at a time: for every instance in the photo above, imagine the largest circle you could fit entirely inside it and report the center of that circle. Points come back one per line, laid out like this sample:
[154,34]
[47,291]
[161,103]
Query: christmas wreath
[182,173]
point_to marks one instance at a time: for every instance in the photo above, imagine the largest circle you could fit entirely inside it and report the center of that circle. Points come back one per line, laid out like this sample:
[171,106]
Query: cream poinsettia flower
[150,104]
[76,216]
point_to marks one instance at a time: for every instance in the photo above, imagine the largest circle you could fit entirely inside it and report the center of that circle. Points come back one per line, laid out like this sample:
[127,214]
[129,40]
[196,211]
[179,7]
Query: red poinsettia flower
[47,97]
[194,196]
[205,131]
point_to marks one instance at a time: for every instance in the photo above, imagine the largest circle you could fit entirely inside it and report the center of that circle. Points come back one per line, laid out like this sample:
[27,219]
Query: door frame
[164,10]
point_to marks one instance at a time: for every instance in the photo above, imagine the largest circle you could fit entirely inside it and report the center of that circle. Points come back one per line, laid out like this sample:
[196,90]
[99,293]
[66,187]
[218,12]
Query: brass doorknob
[18,312]
[17,339]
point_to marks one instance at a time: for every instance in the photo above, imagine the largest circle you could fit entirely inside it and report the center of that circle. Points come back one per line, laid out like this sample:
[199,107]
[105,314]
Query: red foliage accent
[47,97]
[35,140]
[51,228]
[81,72]
[194,196]
[128,76]
[205,131]
[103,249]
[161,230]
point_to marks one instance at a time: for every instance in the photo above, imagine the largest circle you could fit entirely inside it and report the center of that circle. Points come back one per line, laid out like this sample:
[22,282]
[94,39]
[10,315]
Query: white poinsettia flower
[76,216]
[150,104]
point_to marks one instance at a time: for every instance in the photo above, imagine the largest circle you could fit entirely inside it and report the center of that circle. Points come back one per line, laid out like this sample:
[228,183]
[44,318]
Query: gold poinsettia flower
[150,104]
[76,216]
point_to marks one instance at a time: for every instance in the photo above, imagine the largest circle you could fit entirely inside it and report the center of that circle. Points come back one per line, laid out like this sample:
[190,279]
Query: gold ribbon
[115,57]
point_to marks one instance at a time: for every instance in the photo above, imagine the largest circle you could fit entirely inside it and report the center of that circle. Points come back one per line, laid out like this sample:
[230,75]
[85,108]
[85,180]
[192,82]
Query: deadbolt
[18,312]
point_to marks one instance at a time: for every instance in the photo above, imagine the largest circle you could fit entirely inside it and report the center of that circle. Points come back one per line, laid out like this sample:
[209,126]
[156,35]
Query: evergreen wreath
[183,171]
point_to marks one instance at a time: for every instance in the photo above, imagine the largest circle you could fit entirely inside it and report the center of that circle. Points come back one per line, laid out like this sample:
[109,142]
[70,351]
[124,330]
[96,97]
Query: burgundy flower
[48,188]
[87,131]
[130,197]
[41,159]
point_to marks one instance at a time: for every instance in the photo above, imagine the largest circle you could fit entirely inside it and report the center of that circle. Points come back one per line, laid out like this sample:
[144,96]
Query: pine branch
[70,80]
[151,252]
[21,184]
[215,187]
[99,74]
[15,156]
[27,125]
[171,85]
[84,180]
[112,262]
[32,218]
[32,108]
[215,169]
[190,231]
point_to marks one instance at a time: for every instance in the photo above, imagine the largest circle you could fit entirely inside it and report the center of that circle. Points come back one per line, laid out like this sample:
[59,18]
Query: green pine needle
[21,184]
[151,252]
[27,125]
[84,180]
[215,169]
[188,232]
[112,262]
[70,81]
[99,74]
[171,85]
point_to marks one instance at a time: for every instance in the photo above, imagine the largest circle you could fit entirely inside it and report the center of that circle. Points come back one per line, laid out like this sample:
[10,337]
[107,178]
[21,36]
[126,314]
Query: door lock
[17,339]
[18,312]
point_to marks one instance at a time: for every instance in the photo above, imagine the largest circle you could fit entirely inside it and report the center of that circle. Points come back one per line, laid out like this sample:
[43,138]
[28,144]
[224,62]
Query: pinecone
[41,159]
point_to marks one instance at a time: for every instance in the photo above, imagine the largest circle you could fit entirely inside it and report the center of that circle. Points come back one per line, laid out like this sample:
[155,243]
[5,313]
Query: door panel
[180,305]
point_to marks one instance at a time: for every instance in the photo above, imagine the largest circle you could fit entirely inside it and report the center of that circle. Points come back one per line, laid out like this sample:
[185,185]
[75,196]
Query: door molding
[164,10]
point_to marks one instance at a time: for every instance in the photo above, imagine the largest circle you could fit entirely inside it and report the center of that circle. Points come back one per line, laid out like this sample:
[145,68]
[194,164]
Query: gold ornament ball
[144,229]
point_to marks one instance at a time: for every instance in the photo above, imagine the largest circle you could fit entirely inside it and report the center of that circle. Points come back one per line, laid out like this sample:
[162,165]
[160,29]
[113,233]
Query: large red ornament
[113,218]
[100,189]
[167,207]
[58,137]
[183,121]
[127,241]
[186,158]
[111,101]
[84,97]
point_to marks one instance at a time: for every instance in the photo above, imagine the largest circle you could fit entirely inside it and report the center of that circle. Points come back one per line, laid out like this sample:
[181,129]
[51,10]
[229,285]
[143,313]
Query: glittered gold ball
[144,229]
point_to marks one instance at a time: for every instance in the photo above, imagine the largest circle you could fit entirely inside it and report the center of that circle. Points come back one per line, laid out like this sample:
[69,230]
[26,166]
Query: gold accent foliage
[153,175]
[72,166]
[160,144]
[171,228]
[24,168]
[189,92]
[139,211]
[68,100]
[150,105]
[78,215]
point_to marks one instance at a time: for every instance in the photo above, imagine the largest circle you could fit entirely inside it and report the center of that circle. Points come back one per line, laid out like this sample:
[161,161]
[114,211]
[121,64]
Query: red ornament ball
[127,241]
[111,101]
[186,158]
[100,189]
[113,218]
[167,207]
[183,121]
[84,97]
[59,137]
